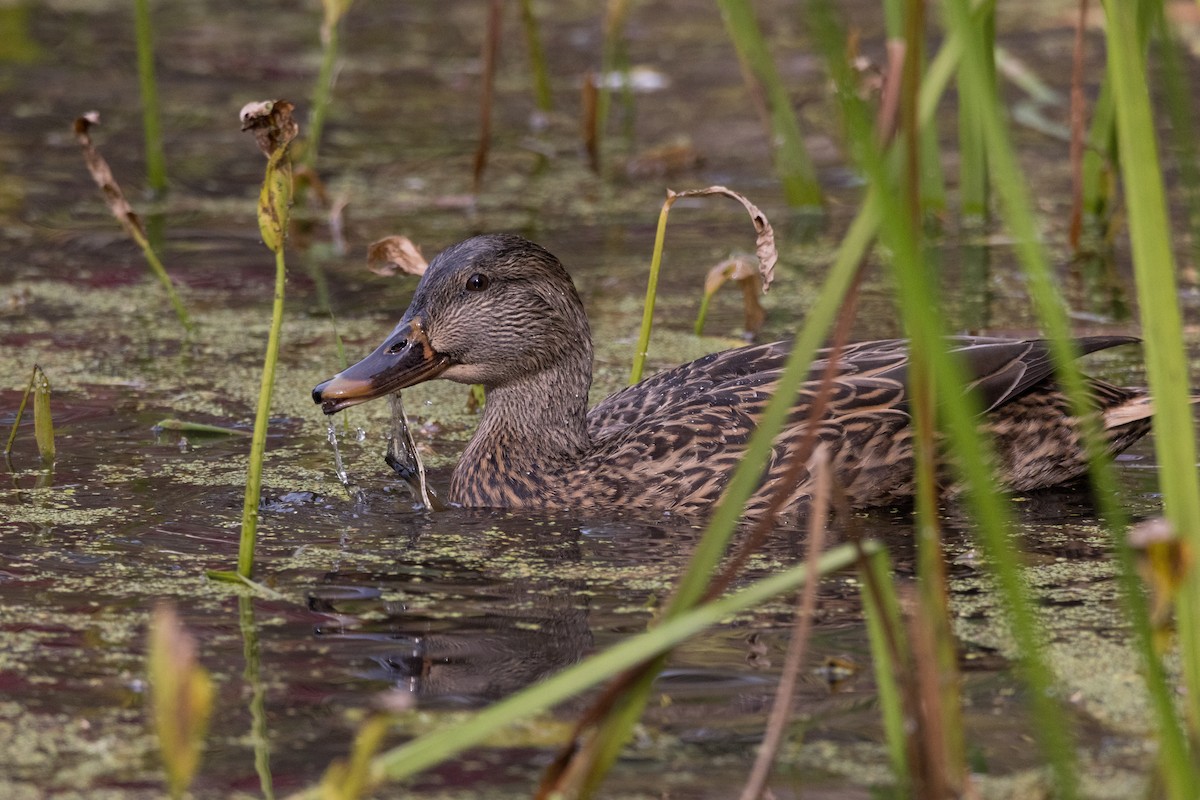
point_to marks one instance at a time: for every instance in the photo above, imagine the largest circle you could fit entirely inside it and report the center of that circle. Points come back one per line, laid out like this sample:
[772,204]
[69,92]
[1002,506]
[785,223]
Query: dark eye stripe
[478,282]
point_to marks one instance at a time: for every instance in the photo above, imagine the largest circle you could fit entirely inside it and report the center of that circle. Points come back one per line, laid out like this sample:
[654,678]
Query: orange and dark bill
[404,359]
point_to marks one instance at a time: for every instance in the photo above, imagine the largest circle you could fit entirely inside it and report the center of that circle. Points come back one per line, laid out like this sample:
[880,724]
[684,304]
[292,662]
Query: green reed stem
[258,443]
[160,272]
[958,410]
[12,433]
[973,167]
[1158,299]
[156,161]
[1052,312]
[537,58]
[795,168]
[331,37]
[643,345]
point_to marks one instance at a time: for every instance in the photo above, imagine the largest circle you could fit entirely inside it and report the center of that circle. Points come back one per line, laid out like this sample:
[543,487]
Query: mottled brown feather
[671,443]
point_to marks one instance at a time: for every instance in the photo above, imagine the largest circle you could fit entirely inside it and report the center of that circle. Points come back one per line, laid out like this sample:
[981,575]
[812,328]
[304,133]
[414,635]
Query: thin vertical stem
[156,161]
[258,443]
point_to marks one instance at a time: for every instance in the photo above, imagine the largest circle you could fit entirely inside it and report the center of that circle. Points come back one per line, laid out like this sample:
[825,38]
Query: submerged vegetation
[889,131]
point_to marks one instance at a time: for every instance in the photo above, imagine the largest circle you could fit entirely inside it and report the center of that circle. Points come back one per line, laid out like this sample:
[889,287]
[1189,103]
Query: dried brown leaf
[274,129]
[742,270]
[103,176]
[765,244]
[271,122]
[396,254]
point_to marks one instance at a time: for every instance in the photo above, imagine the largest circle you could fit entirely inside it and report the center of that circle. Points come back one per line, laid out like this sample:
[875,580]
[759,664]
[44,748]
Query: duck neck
[532,428]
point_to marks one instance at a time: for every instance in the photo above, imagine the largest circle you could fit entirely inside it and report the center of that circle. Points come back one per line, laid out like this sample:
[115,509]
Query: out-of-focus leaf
[765,244]
[334,11]
[197,427]
[1164,564]
[182,693]
[43,425]
[396,254]
[740,269]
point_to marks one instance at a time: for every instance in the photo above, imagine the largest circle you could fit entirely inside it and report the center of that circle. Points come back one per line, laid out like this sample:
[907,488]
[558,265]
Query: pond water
[460,608]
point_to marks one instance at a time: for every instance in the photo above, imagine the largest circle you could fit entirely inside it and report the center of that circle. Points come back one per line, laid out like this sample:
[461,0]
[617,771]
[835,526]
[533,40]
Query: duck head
[493,309]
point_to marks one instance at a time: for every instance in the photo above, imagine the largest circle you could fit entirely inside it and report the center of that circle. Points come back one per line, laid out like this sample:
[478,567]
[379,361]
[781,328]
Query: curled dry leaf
[765,245]
[396,254]
[742,270]
[103,176]
[271,122]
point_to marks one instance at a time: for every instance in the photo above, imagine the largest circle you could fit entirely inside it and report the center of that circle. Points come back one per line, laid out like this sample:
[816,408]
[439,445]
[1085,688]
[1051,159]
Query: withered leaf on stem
[274,128]
[396,254]
[271,122]
[103,176]
[765,244]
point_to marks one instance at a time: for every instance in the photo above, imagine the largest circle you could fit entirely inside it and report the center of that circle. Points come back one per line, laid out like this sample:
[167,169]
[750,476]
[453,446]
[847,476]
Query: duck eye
[478,282]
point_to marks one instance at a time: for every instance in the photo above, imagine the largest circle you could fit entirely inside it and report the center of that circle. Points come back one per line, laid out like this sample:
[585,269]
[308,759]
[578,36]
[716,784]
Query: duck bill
[404,359]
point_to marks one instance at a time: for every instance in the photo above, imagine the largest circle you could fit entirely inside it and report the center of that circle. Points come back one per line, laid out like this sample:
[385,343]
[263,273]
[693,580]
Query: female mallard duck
[501,311]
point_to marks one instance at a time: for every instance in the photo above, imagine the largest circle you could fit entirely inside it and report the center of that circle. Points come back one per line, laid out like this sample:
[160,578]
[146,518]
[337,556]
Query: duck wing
[741,368]
[1000,369]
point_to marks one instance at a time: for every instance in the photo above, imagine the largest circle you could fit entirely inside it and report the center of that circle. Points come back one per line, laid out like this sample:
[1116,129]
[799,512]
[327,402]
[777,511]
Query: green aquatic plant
[331,27]
[274,129]
[43,423]
[156,160]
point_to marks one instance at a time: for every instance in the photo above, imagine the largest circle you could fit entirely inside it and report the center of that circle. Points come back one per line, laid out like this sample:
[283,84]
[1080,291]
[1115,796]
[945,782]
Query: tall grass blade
[537,58]
[959,412]
[156,160]
[331,34]
[881,608]
[1177,96]
[1051,312]
[792,163]
[1158,299]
